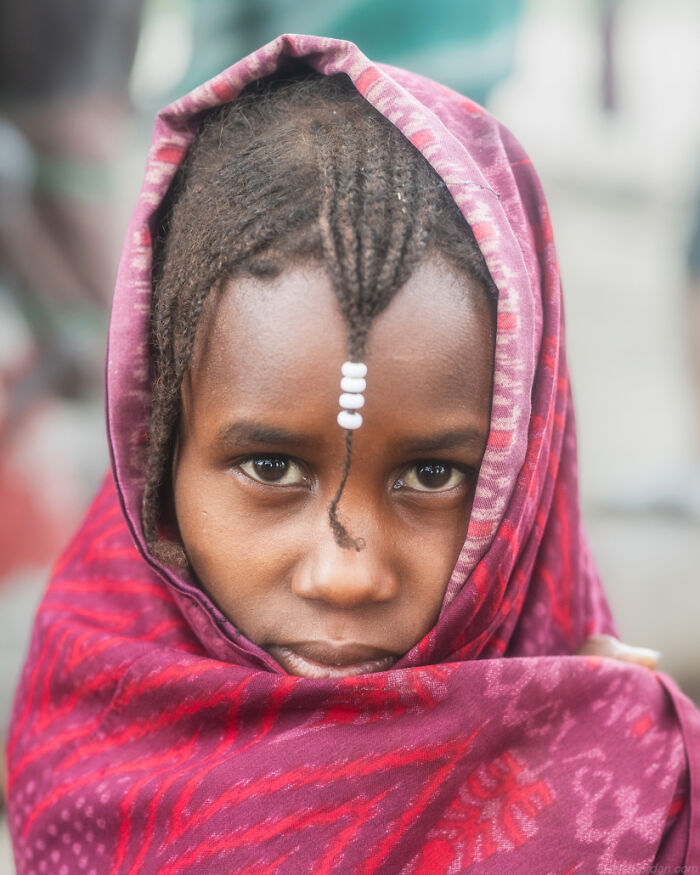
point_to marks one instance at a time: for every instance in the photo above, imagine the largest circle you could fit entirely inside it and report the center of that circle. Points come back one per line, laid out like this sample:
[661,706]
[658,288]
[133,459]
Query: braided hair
[295,169]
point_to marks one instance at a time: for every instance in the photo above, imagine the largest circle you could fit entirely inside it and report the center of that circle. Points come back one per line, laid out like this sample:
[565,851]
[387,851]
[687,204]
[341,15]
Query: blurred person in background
[64,69]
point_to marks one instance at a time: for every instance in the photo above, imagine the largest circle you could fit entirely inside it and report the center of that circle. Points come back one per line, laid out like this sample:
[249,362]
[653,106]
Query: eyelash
[466,472]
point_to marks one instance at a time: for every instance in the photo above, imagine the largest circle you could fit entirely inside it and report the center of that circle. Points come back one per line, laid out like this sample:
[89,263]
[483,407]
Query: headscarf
[150,736]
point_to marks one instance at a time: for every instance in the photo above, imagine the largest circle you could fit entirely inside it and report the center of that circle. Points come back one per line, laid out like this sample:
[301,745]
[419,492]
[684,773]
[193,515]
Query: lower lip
[298,665]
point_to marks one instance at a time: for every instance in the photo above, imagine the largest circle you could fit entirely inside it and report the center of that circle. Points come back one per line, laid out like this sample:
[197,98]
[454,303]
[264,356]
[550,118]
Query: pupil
[271,467]
[433,475]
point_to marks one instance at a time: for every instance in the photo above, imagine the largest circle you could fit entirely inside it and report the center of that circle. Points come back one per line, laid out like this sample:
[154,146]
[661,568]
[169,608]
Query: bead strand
[352,384]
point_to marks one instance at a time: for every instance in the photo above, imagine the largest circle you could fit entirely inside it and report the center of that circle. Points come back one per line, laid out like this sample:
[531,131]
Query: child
[300,665]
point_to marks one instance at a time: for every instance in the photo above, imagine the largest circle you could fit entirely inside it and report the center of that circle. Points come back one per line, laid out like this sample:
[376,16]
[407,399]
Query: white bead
[354,369]
[349,420]
[353,384]
[351,401]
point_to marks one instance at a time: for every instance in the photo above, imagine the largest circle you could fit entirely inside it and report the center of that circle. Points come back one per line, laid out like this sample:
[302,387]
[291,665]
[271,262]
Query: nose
[346,578]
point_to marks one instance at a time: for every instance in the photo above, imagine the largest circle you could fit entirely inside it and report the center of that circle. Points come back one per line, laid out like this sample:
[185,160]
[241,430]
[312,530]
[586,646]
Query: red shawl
[149,735]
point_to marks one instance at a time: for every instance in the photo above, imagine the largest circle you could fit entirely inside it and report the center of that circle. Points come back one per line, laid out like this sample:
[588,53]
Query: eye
[273,470]
[431,476]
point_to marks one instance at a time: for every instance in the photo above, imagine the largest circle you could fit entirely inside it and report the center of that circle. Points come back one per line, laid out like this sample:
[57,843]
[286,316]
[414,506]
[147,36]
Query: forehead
[285,337]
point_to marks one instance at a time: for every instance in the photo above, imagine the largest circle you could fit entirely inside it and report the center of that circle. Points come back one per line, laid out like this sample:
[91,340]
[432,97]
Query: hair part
[294,169]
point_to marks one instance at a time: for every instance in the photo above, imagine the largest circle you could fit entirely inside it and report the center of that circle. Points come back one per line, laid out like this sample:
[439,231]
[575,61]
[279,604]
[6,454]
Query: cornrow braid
[372,254]
[295,169]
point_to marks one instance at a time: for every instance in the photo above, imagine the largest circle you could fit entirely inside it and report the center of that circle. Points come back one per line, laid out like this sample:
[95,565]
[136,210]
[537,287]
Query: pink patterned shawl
[150,736]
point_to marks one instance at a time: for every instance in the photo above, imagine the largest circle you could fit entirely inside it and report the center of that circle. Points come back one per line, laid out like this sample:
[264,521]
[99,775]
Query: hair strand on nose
[340,533]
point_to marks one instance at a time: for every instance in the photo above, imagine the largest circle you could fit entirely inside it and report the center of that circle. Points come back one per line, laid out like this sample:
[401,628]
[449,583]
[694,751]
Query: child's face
[259,457]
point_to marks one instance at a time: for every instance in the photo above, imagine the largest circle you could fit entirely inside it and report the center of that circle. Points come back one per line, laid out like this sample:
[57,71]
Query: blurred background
[604,95]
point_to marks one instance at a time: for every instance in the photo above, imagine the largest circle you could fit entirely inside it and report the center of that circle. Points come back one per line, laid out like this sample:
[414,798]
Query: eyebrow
[469,438]
[248,431]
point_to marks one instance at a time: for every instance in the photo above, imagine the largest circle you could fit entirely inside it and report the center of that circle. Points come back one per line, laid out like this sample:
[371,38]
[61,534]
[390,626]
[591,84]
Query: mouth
[325,659]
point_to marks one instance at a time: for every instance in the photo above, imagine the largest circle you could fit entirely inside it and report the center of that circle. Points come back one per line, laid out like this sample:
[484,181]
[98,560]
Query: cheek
[207,518]
[233,551]
[430,554]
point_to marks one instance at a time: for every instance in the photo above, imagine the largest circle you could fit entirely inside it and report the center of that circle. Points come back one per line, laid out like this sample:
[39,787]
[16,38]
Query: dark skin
[259,456]
[252,505]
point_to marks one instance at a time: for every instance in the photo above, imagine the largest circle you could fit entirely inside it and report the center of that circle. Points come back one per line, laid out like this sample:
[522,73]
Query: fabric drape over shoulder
[150,736]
